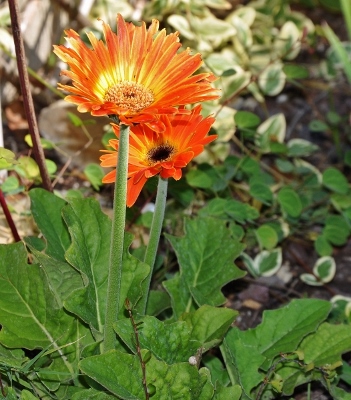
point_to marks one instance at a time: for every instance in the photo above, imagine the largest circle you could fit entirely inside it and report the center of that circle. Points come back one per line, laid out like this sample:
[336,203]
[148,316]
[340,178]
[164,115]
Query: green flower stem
[117,240]
[155,233]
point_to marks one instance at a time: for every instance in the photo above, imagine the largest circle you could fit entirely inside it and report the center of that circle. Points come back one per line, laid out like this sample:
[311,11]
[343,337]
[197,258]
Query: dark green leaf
[322,246]
[261,192]
[280,331]
[267,237]
[336,230]
[197,253]
[246,119]
[121,375]
[295,71]
[157,302]
[318,126]
[198,178]
[290,201]
[334,180]
[46,209]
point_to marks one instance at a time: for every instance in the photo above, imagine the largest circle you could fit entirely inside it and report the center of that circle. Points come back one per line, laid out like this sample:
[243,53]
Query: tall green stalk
[117,240]
[155,233]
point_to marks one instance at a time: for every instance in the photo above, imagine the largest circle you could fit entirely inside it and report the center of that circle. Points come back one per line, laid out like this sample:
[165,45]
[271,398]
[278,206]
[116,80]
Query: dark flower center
[163,152]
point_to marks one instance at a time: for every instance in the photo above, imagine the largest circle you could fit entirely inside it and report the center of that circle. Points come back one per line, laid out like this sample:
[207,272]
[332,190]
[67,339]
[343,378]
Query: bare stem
[113,302]
[155,233]
[27,97]
[8,217]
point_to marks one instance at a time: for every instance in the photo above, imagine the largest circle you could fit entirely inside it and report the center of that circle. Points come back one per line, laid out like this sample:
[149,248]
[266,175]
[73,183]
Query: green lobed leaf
[118,372]
[121,374]
[322,348]
[170,343]
[326,345]
[176,342]
[205,270]
[63,278]
[209,324]
[89,253]
[30,315]
[90,231]
[46,210]
[281,331]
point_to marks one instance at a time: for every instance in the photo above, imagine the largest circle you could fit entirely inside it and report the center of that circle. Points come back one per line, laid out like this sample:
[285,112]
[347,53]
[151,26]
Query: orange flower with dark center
[136,74]
[165,153]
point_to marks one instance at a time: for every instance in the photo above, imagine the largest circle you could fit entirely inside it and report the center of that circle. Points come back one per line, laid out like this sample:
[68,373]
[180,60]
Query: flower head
[136,74]
[166,153]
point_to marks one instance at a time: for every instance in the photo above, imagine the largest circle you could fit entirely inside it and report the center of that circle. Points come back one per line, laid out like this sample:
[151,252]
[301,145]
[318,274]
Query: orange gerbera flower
[136,74]
[166,153]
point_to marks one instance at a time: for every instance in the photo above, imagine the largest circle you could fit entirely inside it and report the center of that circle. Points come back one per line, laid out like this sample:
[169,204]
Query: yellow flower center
[130,96]
[162,152]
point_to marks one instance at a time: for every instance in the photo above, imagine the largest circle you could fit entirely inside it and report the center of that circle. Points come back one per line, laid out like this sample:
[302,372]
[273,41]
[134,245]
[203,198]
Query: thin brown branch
[8,217]
[27,97]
